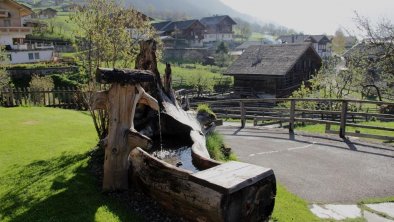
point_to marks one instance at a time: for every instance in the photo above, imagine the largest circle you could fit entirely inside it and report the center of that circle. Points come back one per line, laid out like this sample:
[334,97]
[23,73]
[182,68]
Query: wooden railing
[69,98]
[345,113]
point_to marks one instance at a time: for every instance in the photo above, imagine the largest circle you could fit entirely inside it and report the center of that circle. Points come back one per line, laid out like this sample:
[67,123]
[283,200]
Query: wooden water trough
[213,191]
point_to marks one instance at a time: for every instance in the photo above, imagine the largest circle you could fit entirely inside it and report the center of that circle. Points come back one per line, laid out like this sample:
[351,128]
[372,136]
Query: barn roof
[273,60]
[170,26]
[181,25]
[160,25]
[246,44]
[302,38]
[214,20]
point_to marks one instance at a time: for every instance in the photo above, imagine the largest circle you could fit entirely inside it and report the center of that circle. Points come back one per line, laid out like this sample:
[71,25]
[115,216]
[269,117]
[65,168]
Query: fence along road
[324,111]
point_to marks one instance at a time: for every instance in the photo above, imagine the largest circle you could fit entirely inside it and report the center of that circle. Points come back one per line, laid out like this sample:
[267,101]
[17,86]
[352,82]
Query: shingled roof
[247,44]
[169,26]
[272,60]
[302,38]
[160,25]
[214,20]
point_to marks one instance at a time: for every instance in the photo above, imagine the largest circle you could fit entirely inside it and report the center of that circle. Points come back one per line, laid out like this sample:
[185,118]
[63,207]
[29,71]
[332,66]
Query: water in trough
[175,152]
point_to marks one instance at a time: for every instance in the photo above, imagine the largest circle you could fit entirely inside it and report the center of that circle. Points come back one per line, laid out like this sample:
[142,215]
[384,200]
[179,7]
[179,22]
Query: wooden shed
[273,70]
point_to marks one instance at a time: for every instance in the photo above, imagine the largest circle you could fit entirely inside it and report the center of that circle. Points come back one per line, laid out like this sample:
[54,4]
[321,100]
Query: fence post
[342,128]
[292,115]
[243,112]
[11,103]
[328,127]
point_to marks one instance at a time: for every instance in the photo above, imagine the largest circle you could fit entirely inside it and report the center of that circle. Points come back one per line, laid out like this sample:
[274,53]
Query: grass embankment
[44,173]
[320,128]
[59,27]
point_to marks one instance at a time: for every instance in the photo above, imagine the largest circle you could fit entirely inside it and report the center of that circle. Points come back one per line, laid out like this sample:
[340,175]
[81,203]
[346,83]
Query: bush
[204,108]
[61,80]
[39,83]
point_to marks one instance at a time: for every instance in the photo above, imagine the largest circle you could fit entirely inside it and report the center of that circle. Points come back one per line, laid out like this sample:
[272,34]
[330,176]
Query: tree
[338,42]
[377,58]
[222,58]
[108,35]
[244,29]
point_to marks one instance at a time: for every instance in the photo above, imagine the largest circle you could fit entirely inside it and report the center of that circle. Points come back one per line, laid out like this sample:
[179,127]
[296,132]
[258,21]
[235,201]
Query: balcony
[36,46]
[22,30]
[4,13]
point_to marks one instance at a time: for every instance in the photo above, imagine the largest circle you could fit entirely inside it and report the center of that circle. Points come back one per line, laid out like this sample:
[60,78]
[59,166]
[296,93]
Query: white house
[218,28]
[13,34]
[321,43]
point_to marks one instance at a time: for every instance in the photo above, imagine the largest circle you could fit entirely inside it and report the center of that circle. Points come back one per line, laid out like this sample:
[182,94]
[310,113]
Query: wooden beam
[123,76]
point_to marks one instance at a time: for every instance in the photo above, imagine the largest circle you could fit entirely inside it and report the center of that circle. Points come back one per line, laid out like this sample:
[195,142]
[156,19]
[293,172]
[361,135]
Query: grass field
[43,168]
[44,173]
[320,128]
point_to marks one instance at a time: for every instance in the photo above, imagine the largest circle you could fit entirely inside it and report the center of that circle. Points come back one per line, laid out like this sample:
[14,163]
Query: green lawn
[44,174]
[289,207]
[320,128]
[43,168]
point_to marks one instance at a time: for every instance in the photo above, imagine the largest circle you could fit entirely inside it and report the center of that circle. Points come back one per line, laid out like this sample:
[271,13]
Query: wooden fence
[69,98]
[344,113]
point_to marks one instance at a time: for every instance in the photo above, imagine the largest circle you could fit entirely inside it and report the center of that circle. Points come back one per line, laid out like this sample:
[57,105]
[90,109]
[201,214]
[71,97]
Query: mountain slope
[190,8]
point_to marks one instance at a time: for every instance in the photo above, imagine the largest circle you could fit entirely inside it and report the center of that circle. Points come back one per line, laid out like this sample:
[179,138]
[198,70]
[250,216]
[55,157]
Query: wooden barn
[267,71]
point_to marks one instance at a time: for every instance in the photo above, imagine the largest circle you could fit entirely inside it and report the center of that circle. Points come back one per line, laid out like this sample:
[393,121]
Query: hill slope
[190,8]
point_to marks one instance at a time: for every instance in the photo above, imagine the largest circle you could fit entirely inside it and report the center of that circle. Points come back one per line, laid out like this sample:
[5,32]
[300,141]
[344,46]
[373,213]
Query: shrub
[39,83]
[204,108]
[61,80]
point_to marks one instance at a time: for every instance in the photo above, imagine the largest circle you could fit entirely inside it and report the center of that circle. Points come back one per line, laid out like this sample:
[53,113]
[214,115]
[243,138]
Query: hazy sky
[314,16]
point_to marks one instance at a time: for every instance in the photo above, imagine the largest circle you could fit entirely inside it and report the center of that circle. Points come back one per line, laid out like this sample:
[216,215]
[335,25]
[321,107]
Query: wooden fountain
[231,191]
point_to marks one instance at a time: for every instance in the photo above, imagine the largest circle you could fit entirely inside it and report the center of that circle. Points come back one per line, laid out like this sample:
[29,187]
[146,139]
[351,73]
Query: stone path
[380,212]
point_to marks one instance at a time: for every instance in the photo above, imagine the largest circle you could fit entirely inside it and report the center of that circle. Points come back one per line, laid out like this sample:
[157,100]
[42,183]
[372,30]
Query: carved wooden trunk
[232,191]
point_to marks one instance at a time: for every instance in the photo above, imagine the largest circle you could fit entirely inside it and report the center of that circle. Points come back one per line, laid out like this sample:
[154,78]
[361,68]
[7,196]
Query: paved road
[320,169]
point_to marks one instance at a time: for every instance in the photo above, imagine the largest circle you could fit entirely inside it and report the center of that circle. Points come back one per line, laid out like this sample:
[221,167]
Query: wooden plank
[309,120]
[231,176]
[259,118]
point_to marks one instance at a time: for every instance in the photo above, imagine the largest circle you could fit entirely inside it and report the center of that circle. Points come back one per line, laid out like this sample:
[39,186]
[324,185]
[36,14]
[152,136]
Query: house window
[322,47]
[37,55]
[9,57]
[7,23]
[31,56]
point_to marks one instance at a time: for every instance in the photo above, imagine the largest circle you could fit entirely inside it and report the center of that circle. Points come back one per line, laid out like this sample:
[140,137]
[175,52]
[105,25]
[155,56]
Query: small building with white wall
[13,34]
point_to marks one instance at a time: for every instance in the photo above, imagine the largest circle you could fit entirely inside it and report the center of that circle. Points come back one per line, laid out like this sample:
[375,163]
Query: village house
[13,34]
[70,7]
[268,71]
[47,13]
[188,33]
[321,43]
[218,28]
